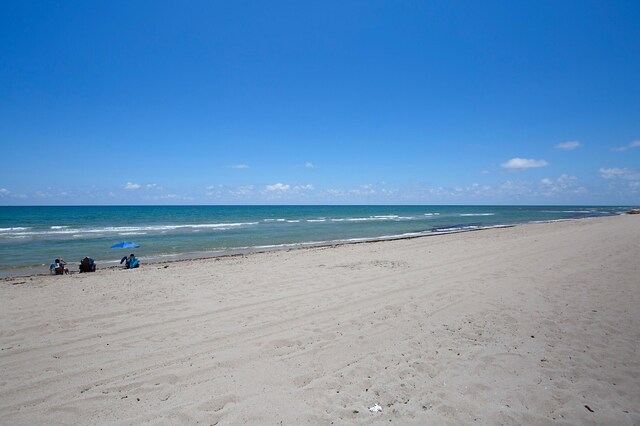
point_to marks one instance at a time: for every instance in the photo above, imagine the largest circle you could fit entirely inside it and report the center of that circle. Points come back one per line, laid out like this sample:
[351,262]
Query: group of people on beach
[59,266]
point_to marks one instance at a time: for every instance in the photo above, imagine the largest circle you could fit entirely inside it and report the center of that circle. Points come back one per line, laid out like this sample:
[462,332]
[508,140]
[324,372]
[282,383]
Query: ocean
[32,237]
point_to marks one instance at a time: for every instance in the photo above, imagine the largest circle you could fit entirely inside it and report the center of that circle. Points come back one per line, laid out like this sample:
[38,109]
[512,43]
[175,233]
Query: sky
[319,102]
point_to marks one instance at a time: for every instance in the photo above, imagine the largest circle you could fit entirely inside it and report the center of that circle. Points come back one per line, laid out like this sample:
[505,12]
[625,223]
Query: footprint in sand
[219,403]
[302,381]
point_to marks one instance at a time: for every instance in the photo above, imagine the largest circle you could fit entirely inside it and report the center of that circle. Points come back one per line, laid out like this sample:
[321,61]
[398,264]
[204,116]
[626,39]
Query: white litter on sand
[376,409]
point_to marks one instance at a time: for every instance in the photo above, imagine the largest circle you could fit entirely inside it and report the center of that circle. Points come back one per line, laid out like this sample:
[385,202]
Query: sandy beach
[535,324]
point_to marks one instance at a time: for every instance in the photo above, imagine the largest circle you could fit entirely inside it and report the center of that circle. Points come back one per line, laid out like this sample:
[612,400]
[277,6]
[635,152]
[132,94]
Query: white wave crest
[126,229]
[17,228]
[372,218]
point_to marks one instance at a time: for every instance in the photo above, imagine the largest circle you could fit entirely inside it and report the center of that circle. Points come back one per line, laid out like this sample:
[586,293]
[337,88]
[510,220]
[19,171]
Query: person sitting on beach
[58,267]
[87,265]
[130,262]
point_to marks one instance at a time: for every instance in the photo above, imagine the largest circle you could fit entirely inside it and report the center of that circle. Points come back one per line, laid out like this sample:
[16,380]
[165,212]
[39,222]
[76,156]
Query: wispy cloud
[523,163]
[309,165]
[222,191]
[620,173]
[564,184]
[569,145]
[515,188]
[242,191]
[303,187]
[173,197]
[281,187]
[130,186]
[238,166]
[51,193]
[169,198]
[4,192]
[630,145]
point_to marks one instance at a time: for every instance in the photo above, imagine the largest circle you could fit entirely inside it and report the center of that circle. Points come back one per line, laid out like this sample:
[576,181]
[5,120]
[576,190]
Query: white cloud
[278,187]
[242,190]
[4,192]
[130,186]
[151,186]
[523,163]
[515,187]
[620,173]
[546,181]
[303,187]
[630,145]
[569,145]
[367,189]
[564,184]
[50,194]
[309,165]
[336,192]
[171,197]
[238,166]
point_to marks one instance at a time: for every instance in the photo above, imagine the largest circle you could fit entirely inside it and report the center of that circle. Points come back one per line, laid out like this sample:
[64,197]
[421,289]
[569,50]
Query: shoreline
[525,325]
[184,257]
[27,272]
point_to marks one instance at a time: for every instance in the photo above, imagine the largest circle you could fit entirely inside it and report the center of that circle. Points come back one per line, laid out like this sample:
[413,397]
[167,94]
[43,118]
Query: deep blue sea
[32,237]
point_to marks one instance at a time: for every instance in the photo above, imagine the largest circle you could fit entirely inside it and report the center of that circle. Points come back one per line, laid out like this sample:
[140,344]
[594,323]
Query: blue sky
[359,102]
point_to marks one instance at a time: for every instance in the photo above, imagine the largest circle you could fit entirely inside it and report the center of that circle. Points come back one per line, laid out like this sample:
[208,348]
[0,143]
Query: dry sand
[537,324]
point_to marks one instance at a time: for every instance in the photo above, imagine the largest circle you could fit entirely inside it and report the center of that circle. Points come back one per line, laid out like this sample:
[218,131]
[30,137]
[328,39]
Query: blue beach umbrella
[125,244]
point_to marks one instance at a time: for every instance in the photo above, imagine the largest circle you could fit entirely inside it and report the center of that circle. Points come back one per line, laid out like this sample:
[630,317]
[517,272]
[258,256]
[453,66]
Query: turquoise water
[31,237]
